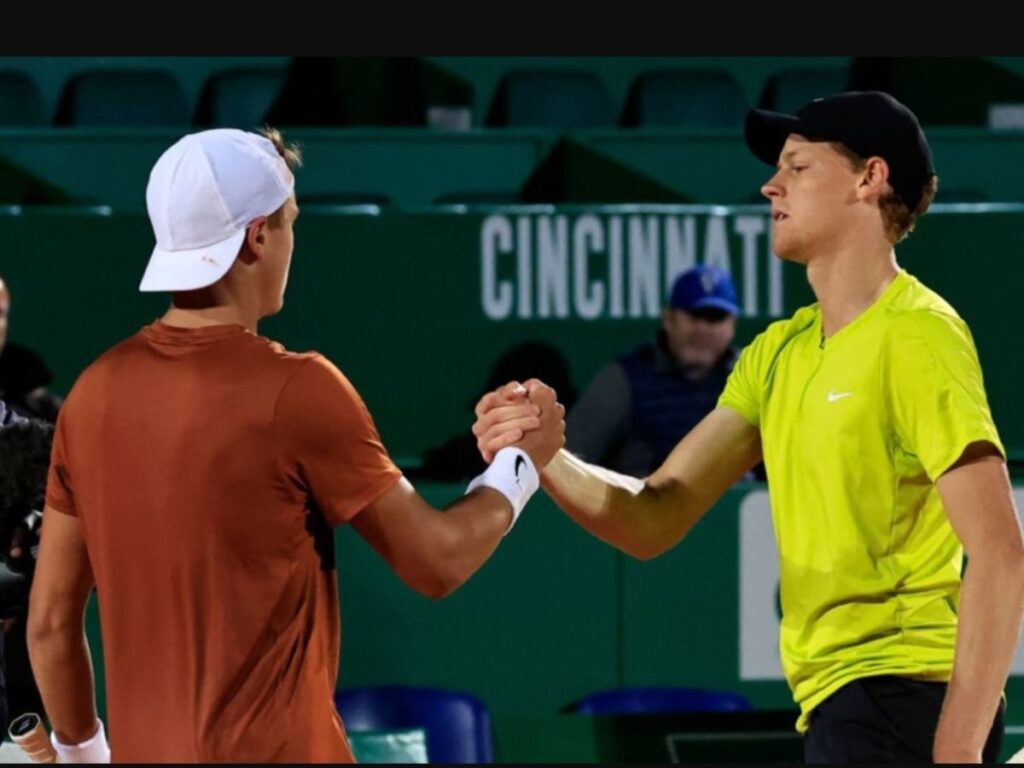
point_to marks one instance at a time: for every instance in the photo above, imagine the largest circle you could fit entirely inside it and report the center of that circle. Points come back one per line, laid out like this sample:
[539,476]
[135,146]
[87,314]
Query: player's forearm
[63,672]
[623,511]
[470,531]
[991,609]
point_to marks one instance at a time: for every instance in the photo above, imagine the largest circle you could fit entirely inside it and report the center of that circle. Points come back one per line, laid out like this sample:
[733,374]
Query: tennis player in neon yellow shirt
[869,411]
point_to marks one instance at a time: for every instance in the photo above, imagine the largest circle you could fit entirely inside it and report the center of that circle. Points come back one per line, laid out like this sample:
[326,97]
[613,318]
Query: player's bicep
[400,525]
[713,456]
[63,575]
[978,499]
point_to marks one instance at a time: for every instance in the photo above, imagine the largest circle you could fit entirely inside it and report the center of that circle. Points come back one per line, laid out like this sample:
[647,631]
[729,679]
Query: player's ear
[874,178]
[255,239]
[256,233]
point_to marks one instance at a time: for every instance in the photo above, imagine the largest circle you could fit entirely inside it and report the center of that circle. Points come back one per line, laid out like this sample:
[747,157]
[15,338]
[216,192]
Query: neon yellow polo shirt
[855,432]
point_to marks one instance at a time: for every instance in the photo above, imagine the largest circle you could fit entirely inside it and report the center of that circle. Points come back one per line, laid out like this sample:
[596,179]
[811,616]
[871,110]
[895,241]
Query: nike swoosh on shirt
[833,396]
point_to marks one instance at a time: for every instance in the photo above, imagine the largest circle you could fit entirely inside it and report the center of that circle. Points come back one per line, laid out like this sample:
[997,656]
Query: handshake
[526,416]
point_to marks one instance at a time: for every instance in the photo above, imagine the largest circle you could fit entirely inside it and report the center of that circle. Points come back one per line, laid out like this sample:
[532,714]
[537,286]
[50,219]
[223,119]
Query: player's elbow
[439,569]
[436,583]
[653,524]
[448,574]
[441,588]
[1007,574]
[48,623]
[645,550]
[1001,560]
[1006,550]
[646,540]
[645,554]
[1013,560]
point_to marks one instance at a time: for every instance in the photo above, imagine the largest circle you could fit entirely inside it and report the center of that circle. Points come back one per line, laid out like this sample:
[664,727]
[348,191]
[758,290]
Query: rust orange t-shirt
[207,467]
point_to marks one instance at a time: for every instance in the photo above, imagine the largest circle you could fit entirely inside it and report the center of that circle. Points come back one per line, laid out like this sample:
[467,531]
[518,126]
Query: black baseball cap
[871,123]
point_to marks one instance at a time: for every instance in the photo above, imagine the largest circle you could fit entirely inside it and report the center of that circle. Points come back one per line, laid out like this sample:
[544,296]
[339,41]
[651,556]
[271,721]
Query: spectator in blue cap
[639,406]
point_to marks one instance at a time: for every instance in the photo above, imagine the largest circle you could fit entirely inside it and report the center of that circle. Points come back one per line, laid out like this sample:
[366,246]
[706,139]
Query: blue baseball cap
[704,286]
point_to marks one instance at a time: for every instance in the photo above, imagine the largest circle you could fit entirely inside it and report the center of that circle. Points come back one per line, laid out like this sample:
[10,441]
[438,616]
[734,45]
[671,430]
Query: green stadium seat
[684,98]
[123,98]
[659,700]
[239,98]
[21,103]
[790,89]
[552,98]
[457,724]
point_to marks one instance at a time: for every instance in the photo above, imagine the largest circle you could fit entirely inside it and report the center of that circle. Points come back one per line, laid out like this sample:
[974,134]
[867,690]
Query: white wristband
[93,750]
[513,475]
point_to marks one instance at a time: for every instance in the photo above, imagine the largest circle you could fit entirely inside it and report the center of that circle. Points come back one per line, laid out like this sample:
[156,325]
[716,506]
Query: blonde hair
[897,218]
[292,155]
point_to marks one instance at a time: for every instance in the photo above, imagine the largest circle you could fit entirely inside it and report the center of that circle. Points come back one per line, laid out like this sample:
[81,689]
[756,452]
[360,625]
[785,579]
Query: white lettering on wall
[588,236]
[644,251]
[495,237]
[552,266]
[557,269]
[749,227]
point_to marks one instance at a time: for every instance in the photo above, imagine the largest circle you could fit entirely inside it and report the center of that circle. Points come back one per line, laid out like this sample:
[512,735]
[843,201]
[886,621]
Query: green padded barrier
[410,167]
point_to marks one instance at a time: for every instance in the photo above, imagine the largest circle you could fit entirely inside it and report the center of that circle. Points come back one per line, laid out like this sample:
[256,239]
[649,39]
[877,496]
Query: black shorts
[884,719]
